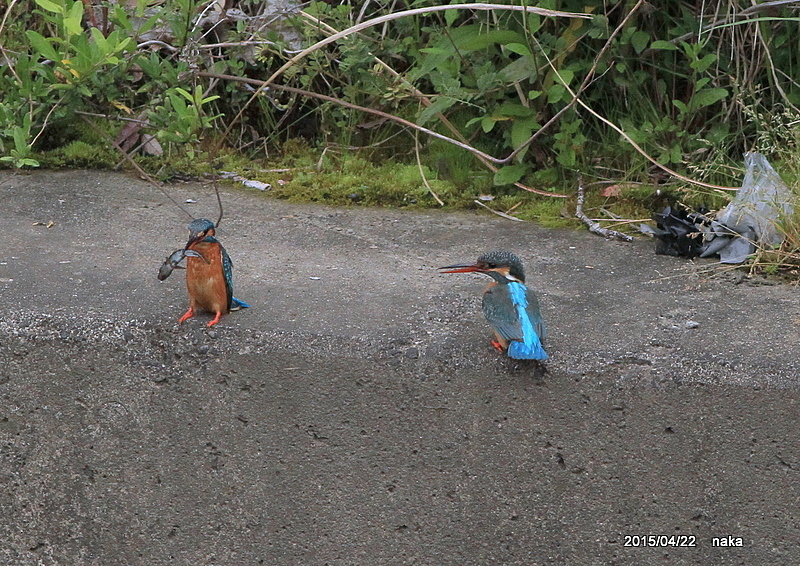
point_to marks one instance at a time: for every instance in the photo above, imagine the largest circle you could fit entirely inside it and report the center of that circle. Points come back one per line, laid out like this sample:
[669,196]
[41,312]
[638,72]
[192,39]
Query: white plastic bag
[752,216]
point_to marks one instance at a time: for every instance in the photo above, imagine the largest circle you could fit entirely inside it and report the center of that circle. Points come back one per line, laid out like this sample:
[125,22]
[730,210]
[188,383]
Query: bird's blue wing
[513,311]
[234,304]
[535,314]
[227,270]
[501,312]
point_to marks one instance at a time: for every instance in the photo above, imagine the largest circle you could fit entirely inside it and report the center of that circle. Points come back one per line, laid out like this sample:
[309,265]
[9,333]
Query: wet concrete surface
[356,414]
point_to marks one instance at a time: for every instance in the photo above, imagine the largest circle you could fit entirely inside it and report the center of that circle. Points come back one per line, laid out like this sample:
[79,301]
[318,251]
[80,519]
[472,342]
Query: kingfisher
[510,307]
[209,278]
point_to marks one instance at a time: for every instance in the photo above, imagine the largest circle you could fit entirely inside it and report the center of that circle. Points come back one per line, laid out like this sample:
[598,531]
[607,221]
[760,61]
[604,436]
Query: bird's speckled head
[199,229]
[501,260]
[503,267]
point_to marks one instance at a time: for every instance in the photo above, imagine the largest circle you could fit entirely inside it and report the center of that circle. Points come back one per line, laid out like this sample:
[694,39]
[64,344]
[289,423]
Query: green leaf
[521,131]
[436,51]
[566,157]
[184,93]
[440,104]
[72,21]
[639,40]
[451,16]
[513,109]
[708,97]
[101,41]
[509,174]
[518,48]
[20,139]
[534,94]
[555,93]
[703,63]
[42,45]
[487,124]
[473,121]
[522,69]
[661,44]
[680,106]
[565,76]
[473,38]
[50,6]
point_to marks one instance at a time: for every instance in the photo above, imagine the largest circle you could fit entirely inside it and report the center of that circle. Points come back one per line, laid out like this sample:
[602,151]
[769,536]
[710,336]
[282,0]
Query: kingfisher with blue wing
[510,307]
[209,274]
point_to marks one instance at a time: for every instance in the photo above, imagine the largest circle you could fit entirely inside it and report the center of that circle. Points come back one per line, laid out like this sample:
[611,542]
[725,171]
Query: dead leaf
[151,146]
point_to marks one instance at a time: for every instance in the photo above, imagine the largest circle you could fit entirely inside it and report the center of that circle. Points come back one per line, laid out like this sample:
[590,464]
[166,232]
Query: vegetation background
[413,103]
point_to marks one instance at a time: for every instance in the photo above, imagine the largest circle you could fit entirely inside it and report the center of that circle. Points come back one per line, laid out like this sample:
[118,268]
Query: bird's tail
[236,304]
[523,351]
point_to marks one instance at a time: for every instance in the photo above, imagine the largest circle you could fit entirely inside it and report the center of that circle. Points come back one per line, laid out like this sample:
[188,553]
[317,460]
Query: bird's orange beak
[469,268]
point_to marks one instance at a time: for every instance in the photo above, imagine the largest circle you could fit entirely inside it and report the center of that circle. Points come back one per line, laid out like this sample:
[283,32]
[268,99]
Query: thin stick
[130,160]
[219,201]
[629,139]
[354,107]
[594,227]
[587,79]
[422,172]
[414,12]
[498,213]
[441,117]
[386,18]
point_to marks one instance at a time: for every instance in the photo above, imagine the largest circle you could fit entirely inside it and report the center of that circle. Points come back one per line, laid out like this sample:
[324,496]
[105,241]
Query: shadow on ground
[357,414]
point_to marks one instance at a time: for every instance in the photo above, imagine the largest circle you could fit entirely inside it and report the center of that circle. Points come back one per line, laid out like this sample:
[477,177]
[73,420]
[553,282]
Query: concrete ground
[357,414]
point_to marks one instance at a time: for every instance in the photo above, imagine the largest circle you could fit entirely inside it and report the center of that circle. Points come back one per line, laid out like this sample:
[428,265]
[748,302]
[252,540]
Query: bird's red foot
[498,346]
[216,320]
[189,314]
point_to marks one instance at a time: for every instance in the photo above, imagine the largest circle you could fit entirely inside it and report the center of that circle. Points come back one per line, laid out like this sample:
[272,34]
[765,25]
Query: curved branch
[415,12]
[263,85]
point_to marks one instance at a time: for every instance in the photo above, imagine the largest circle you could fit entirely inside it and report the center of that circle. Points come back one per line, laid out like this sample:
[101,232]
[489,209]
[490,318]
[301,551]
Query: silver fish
[174,259]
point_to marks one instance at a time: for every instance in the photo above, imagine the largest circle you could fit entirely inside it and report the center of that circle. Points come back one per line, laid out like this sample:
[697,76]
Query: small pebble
[691,324]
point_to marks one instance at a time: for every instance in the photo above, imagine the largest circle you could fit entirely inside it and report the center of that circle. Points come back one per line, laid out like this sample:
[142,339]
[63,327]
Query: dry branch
[594,227]
[498,213]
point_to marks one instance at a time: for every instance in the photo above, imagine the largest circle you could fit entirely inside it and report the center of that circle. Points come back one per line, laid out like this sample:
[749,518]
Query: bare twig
[422,171]
[269,83]
[146,176]
[498,213]
[262,84]
[754,9]
[586,81]
[414,12]
[594,227]
[630,140]
[441,117]
[2,49]
[112,117]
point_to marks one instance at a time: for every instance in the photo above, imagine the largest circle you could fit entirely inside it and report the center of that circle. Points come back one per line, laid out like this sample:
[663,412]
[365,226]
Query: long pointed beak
[463,268]
[194,237]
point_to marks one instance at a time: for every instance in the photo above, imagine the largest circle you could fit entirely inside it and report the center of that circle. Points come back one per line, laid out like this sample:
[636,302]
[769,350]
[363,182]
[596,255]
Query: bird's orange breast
[205,282]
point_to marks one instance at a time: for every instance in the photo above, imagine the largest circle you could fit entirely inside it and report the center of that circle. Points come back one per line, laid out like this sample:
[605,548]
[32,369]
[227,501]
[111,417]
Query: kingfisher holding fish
[173,262]
[510,307]
[209,272]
